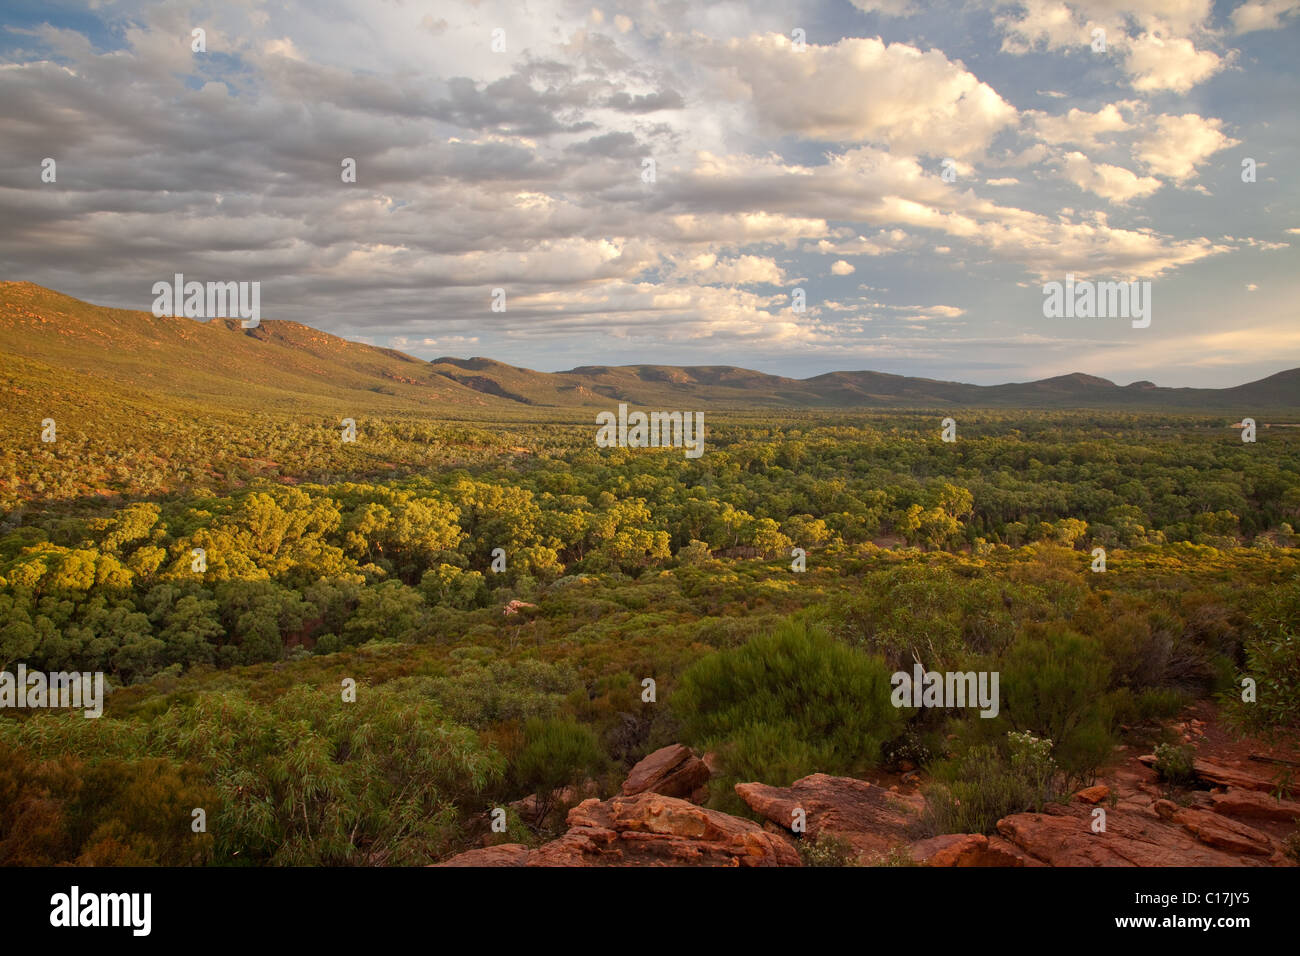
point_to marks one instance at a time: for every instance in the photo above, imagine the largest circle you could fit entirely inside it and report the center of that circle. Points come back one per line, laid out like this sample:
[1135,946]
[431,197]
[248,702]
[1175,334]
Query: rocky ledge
[1126,820]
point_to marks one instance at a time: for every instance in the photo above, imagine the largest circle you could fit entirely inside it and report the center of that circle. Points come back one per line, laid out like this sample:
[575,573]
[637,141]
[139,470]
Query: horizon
[661,183]
[762,371]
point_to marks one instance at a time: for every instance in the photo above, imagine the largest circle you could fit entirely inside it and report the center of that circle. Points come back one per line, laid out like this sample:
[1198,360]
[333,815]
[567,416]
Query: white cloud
[1179,144]
[1113,183]
[742,270]
[1263,15]
[1079,127]
[860,90]
[842,268]
[1173,64]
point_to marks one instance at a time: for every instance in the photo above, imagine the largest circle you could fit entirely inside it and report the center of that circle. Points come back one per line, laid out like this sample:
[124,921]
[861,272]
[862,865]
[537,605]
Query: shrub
[974,791]
[1291,845]
[557,753]
[1174,763]
[788,704]
[827,850]
[1054,685]
[1272,654]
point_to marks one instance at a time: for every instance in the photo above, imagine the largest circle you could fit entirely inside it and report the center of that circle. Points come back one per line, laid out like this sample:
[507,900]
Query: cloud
[860,90]
[1113,183]
[1162,54]
[523,170]
[1178,145]
[1263,15]
[1078,127]
[1173,64]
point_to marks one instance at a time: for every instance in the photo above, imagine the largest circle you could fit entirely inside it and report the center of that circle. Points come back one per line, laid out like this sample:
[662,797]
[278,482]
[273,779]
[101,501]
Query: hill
[57,347]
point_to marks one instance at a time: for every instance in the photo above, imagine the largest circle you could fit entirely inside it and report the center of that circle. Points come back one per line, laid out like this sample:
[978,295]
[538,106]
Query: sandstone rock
[1216,831]
[649,829]
[969,849]
[1093,795]
[506,854]
[1254,805]
[1009,851]
[672,771]
[949,849]
[870,819]
[527,807]
[1224,775]
[1062,836]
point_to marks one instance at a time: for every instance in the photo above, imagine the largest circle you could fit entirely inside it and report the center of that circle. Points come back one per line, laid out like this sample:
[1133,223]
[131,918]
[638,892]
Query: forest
[499,592]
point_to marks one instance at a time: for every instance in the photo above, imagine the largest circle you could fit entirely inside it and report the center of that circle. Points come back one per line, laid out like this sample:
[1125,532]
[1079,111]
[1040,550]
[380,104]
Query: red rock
[1063,837]
[1224,775]
[506,854]
[870,819]
[1253,805]
[649,829]
[527,807]
[1009,851]
[1216,831]
[1093,795]
[969,849]
[672,771]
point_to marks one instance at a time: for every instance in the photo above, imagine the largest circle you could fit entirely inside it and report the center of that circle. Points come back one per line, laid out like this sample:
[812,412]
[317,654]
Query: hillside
[57,347]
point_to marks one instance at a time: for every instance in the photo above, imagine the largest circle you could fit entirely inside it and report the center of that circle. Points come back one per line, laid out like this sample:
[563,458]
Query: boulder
[1093,795]
[672,771]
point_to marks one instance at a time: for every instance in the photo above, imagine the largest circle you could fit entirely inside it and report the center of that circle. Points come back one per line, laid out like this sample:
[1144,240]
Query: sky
[662,181]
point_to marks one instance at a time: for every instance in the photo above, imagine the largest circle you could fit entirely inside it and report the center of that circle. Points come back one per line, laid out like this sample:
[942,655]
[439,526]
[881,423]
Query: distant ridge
[47,337]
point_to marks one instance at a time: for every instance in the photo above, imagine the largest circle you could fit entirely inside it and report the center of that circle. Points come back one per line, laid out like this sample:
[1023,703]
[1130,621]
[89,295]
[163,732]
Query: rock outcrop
[505,854]
[672,771]
[872,820]
[647,829]
[969,849]
[1129,820]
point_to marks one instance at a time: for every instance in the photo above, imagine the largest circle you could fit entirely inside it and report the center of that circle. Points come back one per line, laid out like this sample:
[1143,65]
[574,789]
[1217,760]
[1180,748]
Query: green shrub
[972,792]
[1174,763]
[1272,654]
[827,850]
[1054,684]
[557,753]
[785,705]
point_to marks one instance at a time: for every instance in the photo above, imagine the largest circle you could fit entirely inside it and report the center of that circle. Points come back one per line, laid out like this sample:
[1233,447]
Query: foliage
[973,791]
[1174,763]
[787,704]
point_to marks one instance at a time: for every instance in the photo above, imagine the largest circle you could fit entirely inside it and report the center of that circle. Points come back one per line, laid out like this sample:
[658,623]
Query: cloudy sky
[506,145]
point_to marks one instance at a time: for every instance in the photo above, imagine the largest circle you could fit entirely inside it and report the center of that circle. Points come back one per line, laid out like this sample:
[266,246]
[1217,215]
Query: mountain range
[53,342]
